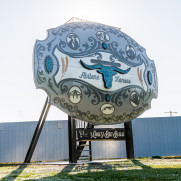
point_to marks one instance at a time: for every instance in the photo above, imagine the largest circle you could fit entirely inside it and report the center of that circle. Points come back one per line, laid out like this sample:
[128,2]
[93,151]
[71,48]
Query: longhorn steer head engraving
[106,71]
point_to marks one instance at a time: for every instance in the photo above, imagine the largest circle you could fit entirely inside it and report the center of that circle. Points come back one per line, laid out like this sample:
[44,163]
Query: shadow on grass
[134,170]
[15,173]
[129,170]
[138,163]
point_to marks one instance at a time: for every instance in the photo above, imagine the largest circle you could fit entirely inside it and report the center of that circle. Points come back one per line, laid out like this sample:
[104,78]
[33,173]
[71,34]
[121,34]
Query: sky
[154,24]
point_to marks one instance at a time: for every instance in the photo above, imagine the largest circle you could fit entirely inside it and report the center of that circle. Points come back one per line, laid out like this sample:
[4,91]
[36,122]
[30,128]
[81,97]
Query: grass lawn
[137,169]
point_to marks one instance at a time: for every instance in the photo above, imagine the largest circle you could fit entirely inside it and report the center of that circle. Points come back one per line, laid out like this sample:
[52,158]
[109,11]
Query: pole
[171,112]
[72,140]
[37,132]
[129,140]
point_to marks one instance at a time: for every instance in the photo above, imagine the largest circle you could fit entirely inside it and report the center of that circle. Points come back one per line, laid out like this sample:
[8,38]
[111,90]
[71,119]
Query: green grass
[138,169]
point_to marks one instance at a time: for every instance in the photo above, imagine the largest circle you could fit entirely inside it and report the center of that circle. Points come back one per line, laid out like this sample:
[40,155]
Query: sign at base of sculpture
[95,73]
[101,134]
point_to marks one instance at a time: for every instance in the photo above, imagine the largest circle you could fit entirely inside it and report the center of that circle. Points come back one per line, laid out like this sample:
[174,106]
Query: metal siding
[3,144]
[64,142]
[55,150]
[109,149]
[157,136]
[10,140]
[53,142]
[178,134]
[15,139]
[152,136]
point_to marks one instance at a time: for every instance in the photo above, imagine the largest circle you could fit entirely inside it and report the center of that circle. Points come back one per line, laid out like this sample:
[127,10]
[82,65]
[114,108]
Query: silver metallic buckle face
[95,73]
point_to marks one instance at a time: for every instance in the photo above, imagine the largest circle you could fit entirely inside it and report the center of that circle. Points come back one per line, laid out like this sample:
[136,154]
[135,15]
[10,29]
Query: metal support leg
[90,151]
[72,140]
[129,140]
[37,132]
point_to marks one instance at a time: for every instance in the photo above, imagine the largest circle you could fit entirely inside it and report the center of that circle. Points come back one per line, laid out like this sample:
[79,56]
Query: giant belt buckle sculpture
[95,73]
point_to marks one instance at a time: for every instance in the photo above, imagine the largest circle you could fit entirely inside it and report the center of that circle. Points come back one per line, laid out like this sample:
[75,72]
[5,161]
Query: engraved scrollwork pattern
[50,84]
[40,76]
[93,48]
[95,118]
[96,95]
[39,54]
[65,105]
[86,26]
[39,51]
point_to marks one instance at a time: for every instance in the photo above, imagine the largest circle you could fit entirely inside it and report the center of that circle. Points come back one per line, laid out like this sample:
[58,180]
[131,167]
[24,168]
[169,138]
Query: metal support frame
[72,140]
[90,151]
[129,140]
[73,155]
[75,152]
[82,144]
[37,132]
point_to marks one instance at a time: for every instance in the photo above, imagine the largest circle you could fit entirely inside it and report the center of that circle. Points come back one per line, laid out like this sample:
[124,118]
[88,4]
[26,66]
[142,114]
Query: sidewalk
[79,162]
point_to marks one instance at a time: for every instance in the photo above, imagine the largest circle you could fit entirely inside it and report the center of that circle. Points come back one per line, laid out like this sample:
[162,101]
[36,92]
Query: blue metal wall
[152,137]
[157,136]
[109,149]
[15,139]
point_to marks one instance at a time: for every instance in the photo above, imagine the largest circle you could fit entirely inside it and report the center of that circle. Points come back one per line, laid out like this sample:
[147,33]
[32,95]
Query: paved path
[79,162]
